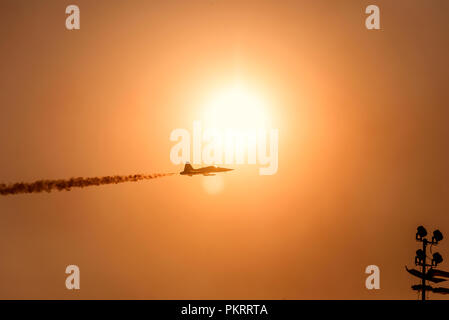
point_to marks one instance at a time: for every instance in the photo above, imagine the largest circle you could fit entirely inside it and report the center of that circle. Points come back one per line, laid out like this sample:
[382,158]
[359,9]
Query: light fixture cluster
[420,257]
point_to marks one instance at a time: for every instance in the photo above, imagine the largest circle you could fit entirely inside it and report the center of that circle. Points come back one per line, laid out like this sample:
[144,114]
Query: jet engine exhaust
[68,184]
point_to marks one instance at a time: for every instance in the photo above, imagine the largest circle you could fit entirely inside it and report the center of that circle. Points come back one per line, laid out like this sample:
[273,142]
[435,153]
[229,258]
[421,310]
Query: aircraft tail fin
[188,167]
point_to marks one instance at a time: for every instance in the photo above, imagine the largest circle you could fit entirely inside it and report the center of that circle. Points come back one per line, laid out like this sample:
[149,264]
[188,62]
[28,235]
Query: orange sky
[363,152]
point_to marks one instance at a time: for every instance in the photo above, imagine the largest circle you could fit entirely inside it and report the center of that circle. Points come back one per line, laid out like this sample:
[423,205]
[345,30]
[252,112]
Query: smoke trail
[67,184]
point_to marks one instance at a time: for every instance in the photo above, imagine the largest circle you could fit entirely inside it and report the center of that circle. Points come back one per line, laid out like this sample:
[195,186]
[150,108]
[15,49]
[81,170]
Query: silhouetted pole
[424,247]
[421,259]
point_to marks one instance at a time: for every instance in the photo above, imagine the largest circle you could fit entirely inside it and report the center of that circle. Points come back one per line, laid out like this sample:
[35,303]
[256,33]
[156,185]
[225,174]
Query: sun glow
[235,107]
[213,184]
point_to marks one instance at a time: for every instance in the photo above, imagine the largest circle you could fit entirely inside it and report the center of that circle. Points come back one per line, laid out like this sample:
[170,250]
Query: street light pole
[424,247]
[421,260]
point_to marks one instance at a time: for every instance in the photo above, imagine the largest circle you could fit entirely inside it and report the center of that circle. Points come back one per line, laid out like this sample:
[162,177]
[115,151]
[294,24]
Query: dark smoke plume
[61,184]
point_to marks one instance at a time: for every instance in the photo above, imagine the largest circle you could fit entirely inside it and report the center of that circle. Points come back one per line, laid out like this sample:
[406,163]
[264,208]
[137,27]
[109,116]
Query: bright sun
[213,185]
[235,107]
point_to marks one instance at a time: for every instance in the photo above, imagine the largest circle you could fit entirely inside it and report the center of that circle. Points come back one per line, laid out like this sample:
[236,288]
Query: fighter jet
[205,171]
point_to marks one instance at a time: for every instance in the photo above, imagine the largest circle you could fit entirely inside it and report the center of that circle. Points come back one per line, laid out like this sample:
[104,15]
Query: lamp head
[421,232]
[437,236]
[437,259]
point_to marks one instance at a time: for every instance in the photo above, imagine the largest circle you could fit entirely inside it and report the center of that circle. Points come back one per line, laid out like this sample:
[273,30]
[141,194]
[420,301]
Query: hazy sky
[363,147]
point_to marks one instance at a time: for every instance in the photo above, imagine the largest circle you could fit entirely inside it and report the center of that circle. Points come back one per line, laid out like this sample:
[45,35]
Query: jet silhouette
[205,171]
